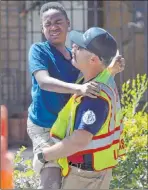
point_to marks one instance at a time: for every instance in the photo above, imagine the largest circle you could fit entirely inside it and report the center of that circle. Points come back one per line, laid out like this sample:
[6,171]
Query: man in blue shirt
[53,76]
[93,52]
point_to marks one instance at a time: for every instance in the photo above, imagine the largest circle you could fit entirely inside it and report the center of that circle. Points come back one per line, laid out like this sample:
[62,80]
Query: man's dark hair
[53,5]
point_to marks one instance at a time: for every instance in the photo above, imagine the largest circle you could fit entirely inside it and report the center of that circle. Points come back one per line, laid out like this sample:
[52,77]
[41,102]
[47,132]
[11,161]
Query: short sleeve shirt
[91,114]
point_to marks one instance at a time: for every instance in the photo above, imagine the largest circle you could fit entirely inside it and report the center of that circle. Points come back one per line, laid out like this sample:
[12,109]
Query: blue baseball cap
[96,40]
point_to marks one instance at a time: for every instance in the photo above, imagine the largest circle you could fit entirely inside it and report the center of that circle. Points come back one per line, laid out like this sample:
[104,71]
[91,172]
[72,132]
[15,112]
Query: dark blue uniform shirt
[90,116]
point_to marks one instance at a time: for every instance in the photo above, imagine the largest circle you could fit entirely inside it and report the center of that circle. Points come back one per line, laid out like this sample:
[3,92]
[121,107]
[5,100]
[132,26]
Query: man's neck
[90,74]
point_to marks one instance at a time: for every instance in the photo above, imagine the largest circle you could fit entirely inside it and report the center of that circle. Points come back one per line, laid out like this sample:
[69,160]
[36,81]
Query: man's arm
[54,85]
[68,146]
[90,117]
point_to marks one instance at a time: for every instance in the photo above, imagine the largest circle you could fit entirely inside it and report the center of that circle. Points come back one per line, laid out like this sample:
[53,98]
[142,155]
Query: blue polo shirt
[46,105]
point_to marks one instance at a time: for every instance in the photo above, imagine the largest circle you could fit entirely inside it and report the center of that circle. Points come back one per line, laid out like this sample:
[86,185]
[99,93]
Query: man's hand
[117,65]
[90,89]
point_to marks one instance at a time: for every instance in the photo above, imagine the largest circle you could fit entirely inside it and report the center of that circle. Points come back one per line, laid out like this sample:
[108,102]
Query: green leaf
[29,173]
[28,162]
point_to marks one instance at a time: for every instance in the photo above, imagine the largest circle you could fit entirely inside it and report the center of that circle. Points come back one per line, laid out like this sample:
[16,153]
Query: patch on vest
[89,117]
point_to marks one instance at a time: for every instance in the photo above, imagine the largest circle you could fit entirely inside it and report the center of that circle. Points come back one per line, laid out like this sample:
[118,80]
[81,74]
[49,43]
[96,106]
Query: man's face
[55,26]
[80,57]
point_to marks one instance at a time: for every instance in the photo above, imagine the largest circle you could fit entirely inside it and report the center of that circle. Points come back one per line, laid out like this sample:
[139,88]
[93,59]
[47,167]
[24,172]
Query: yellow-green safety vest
[108,144]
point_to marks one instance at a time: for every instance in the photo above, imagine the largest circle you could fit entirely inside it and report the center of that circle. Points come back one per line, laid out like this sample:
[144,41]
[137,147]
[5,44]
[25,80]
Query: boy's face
[55,26]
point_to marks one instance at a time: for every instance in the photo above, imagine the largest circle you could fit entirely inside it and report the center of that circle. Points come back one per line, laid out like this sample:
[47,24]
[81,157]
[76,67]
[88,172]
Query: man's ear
[93,58]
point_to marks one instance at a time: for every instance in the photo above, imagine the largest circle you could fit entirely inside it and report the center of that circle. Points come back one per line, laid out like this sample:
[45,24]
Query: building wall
[12,35]
[13,56]
[131,43]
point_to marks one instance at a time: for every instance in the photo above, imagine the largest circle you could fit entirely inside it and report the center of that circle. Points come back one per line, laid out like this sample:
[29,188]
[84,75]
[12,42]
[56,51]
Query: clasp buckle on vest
[77,165]
[81,166]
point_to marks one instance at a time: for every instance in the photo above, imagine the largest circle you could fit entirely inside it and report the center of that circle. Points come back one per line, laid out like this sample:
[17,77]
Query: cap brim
[77,38]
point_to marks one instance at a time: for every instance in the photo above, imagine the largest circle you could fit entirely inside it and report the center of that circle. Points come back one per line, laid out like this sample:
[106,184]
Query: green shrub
[131,173]
[24,176]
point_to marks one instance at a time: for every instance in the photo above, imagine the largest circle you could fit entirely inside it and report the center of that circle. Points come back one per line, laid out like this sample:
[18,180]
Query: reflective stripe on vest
[98,143]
